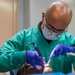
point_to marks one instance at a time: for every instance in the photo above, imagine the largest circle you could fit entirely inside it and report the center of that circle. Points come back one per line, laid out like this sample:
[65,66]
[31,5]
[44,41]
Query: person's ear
[42,16]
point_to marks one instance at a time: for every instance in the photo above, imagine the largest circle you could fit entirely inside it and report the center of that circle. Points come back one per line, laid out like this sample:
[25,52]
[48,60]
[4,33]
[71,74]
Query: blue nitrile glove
[33,58]
[61,49]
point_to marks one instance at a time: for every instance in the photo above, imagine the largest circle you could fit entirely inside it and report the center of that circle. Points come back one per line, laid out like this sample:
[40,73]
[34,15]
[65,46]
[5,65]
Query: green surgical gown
[12,52]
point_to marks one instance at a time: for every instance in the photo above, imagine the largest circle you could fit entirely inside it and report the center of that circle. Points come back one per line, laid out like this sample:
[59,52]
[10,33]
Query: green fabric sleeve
[12,52]
[73,60]
[11,60]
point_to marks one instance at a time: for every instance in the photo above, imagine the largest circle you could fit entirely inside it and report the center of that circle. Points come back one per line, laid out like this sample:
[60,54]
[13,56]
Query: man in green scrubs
[49,33]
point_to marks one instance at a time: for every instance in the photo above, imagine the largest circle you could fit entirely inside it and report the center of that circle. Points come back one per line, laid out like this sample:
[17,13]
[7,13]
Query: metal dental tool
[71,54]
[48,62]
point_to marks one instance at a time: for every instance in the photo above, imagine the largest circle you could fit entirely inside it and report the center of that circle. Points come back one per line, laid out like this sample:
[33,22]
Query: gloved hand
[61,49]
[33,58]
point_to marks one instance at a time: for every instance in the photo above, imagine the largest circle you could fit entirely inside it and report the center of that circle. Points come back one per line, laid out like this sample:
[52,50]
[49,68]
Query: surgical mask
[49,34]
